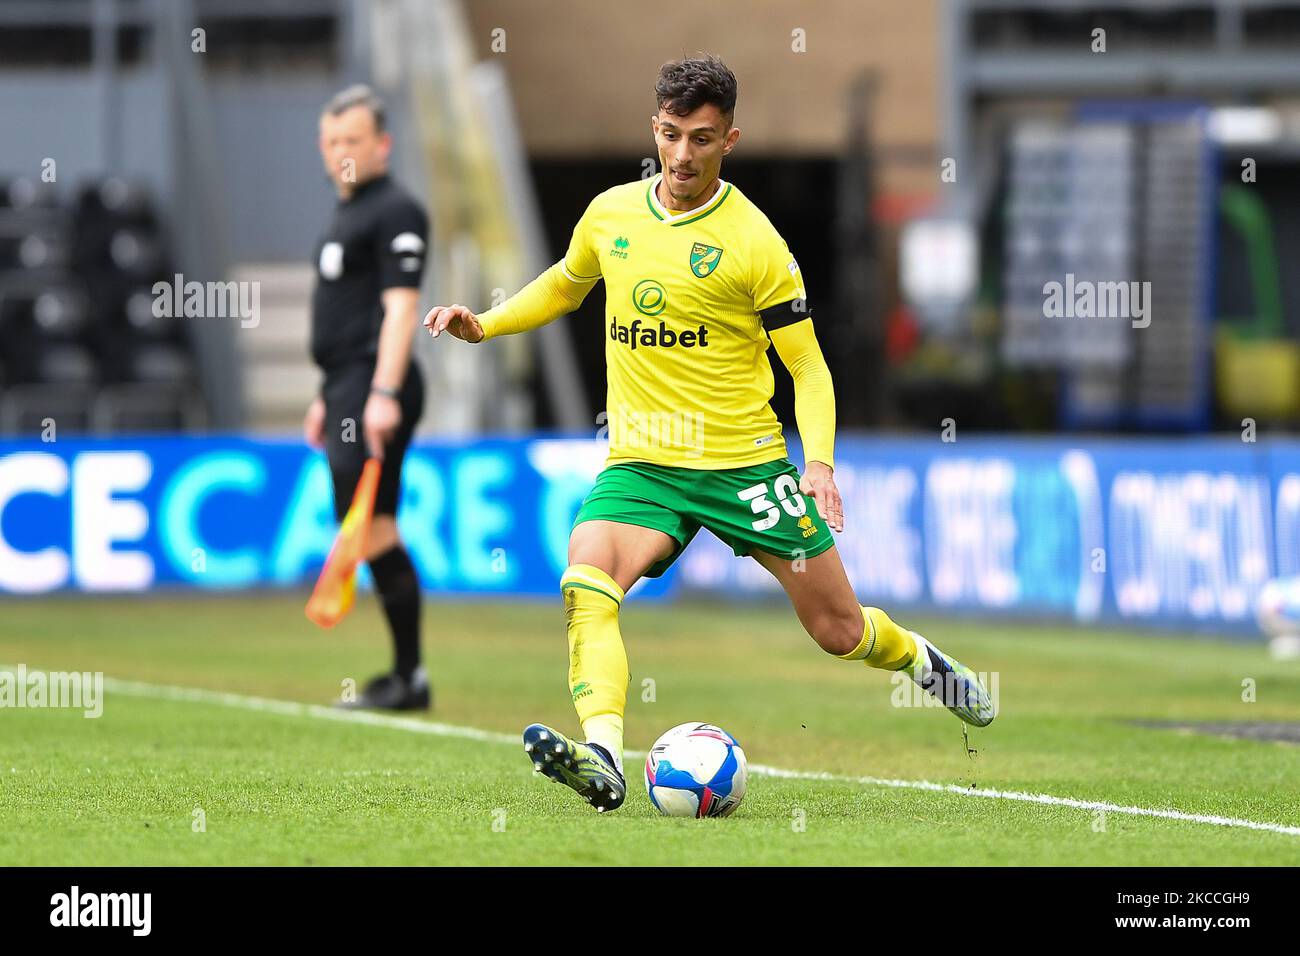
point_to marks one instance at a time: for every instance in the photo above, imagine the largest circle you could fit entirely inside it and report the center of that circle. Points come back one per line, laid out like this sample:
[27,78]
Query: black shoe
[392,691]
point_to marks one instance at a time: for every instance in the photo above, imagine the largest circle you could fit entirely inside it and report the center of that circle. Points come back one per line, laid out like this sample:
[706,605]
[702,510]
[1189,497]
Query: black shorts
[345,392]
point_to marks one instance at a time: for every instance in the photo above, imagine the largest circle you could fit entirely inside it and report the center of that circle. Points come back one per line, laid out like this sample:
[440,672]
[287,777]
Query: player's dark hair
[359,95]
[686,85]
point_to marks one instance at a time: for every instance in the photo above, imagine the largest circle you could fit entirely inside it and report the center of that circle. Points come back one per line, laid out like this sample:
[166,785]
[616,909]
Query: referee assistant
[364,312]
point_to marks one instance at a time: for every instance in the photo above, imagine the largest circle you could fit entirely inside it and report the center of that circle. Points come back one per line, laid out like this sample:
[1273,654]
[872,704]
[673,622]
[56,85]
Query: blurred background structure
[937,167]
[933,166]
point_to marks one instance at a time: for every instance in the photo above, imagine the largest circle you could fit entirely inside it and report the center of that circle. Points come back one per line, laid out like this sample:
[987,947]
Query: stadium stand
[80,339]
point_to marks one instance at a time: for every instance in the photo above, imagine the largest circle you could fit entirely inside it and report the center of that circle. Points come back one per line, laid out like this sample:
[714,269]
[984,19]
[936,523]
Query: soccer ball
[696,770]
[1278,613]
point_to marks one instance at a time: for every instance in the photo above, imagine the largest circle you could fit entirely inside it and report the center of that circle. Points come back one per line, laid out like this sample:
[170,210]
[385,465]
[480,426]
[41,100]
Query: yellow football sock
[884,644]
[598,674]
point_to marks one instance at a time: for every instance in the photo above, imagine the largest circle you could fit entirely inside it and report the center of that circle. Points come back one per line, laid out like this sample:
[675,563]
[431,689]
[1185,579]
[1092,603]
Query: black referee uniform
[376,240]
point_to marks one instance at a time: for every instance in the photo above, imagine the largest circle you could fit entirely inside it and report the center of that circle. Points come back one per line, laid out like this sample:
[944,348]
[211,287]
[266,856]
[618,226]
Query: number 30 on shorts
[786,489]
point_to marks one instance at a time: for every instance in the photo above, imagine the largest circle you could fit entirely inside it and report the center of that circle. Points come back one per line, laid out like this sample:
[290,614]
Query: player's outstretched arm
[549,296]
[814,412]
[456,320]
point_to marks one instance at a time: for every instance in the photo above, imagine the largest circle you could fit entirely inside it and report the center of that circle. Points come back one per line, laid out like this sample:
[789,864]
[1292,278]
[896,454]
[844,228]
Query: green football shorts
[756,507]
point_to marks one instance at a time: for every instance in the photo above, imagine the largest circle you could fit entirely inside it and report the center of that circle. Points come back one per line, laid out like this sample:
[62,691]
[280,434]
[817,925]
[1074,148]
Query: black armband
[785,313]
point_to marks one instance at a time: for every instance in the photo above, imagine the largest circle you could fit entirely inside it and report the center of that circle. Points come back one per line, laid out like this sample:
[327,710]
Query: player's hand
[313,423]
[456,320]
[379,422]
[818,481]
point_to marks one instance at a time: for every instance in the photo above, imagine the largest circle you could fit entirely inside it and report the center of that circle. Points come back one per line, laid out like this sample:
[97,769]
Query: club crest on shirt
[704,259]
[331,260]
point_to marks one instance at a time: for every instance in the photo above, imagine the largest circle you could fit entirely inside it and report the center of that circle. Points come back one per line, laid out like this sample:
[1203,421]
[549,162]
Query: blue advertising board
[1173,533]
[488,516]
[1170,533]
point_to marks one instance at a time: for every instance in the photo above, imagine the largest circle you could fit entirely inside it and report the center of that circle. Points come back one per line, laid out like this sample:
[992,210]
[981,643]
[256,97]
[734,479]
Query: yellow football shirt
[688,299]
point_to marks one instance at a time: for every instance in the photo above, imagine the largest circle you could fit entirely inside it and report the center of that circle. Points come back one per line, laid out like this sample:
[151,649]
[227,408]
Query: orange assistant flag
[337,585]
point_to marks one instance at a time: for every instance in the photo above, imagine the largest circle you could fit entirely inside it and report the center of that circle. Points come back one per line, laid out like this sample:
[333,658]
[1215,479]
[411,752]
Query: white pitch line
[1043,798]
[290,708]
[295,709]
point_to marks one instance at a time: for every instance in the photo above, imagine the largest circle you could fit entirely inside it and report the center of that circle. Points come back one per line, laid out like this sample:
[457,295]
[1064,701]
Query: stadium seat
[140,316]
[160,365]
[25,409]
[37,238]
[117,199]
[61,311]
[79,341]
[66,364]
[146,408]
[23,192]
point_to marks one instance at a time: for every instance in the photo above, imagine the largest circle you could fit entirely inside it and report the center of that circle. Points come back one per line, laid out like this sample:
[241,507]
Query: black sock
[399,592]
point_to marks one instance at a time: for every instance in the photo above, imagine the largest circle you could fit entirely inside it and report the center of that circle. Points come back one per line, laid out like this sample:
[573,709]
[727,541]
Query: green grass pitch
[278,787]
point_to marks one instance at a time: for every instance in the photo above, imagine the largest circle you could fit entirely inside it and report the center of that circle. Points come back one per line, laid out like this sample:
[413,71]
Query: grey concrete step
[279,376]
